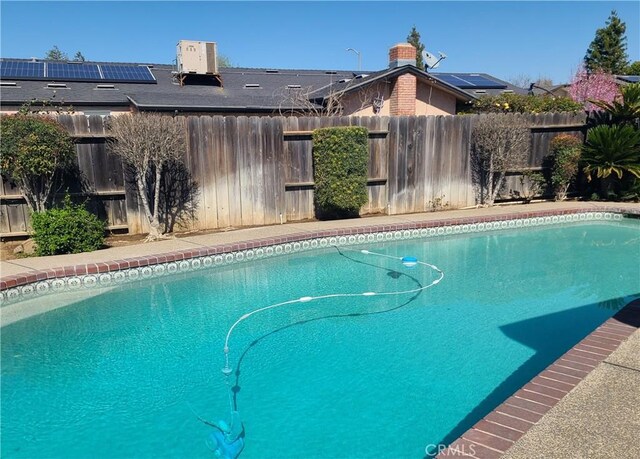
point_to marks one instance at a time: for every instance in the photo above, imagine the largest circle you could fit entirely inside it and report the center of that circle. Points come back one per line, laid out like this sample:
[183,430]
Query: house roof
[243,89]
[482,84]
[166,93]
[364,79]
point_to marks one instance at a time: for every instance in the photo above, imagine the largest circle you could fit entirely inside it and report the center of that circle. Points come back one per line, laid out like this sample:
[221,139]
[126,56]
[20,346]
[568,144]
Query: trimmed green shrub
[521,103]
[340,157]
[565,154]
[70,229]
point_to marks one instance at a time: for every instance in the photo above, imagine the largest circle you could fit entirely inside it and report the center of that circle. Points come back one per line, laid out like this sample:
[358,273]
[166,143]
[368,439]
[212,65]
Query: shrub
[521,103]
[611,151]
[500,142]
[33,149]
[565,154]
[533,184]
[340,156]
[70,229]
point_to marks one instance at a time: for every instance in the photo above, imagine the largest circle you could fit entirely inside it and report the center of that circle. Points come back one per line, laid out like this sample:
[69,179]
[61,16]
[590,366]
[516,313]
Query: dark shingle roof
[243,89]
[271,94]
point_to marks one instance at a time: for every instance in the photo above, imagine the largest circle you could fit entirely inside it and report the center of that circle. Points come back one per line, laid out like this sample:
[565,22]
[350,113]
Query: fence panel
[259,170]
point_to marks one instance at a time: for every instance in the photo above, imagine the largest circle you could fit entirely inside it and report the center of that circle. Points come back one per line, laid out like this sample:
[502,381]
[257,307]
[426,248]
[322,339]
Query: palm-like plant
[627,108]
[612,150]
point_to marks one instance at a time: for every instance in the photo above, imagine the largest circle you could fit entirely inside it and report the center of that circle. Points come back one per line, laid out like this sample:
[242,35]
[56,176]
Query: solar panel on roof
[65,71]
[465,81]
[136,73]
[21,69]
[630,78]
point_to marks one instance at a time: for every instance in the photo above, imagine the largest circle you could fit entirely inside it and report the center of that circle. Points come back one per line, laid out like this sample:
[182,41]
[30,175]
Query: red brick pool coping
[117,265]
[492,436]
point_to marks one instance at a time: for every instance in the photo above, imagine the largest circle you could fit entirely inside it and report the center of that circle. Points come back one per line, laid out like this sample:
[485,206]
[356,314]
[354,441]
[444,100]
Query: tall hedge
[340,157]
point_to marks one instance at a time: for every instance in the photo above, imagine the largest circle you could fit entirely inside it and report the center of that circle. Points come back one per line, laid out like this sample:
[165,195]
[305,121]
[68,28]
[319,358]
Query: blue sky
[505,39]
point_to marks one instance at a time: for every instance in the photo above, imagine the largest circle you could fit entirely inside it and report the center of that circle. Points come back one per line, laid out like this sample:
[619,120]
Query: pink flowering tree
[598,85]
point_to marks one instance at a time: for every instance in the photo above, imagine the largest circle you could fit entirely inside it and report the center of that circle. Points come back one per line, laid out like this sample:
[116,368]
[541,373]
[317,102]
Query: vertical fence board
[208,189]
[257,169]
[243,158]
[233,178]
[220,171]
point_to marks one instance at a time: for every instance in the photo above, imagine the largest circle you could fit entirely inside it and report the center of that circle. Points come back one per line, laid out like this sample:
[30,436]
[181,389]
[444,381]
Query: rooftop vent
[331,72]
[480,91]
[272,71]
[197,57]
[56,85]
[362,75]
[507,90]
[252,85]
[105,86]
[344,80]
[294,86]
[8,83]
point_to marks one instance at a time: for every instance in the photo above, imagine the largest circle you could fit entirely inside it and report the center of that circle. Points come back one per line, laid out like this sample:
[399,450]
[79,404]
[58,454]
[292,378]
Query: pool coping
[498,431]
[31,276]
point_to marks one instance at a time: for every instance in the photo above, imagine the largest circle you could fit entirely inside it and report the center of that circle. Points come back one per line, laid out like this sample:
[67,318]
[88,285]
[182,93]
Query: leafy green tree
[54,54]
[79,57]
[608,50]
[414,39]
[633,68]
[34,149]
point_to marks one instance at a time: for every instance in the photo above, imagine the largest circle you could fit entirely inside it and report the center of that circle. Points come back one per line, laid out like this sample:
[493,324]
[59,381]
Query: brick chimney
[403,93]
[402,54]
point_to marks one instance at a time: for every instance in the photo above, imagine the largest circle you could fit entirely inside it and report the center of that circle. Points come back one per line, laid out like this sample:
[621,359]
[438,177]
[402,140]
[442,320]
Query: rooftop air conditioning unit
[197,57]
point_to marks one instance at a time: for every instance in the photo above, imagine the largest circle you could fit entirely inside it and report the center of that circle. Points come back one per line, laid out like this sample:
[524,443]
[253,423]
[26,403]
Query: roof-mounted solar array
[630,78]
[67,71]
[64,71]
[466,81]
[21,69]
[137,73]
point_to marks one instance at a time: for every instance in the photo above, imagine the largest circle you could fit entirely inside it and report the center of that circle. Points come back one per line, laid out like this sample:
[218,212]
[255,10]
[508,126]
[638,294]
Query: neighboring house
[627,79]
[558,90]
[109,88]
[562,90]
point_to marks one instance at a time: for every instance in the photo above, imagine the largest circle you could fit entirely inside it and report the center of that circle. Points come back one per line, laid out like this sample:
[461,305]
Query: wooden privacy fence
[259,170]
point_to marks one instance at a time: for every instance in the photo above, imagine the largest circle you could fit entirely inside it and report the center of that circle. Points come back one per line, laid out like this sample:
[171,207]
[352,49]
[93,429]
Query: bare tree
[522,80]
[299,101]
[501,142]
[304,101]
[146,143]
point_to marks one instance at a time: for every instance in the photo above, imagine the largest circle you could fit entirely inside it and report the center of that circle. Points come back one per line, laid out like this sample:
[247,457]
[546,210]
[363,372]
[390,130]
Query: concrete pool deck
[589,407]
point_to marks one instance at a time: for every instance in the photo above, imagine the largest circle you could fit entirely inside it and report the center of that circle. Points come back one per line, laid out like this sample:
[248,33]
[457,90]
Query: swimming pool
[124,373]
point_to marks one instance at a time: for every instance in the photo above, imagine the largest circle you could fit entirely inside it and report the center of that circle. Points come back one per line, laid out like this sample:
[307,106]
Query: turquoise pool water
[124,374]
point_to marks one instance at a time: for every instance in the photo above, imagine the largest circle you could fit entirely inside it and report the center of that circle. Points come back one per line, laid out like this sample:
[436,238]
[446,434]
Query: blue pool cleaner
[410,262]
[226,442]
